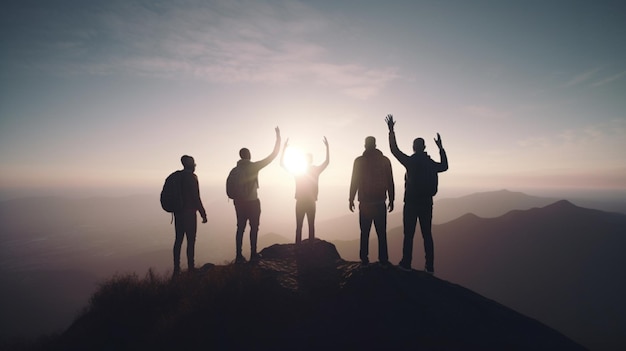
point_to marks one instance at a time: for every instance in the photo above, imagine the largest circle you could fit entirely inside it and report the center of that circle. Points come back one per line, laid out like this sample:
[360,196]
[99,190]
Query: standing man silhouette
[420,185]
[186,221]
[307,189]
[372,178]
[248,206]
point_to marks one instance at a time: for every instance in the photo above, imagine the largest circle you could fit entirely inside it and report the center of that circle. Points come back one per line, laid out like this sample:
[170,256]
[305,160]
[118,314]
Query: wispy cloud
[582,77]
[611,133]
[609,79]
[277,42]
[591,78]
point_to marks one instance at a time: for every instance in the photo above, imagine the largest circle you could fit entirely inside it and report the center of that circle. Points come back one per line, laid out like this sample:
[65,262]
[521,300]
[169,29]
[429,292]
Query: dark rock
[306,298]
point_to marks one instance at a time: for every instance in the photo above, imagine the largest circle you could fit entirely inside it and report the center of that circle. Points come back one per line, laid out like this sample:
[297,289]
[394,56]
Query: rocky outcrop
[303,298]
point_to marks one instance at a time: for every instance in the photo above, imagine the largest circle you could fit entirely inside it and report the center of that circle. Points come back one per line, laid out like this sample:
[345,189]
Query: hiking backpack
[172,193]
[236,185]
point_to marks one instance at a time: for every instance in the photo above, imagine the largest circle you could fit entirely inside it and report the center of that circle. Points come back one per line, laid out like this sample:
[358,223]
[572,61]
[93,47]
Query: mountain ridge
[559,264]
[305,298]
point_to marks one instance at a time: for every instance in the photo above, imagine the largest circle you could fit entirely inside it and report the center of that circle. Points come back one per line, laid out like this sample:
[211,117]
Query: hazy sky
[109,95]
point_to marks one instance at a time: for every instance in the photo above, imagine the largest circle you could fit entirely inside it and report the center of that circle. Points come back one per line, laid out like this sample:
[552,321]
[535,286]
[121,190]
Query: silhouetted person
[248,205]
[186,222]
[420,185]
[307,190]
[372,178]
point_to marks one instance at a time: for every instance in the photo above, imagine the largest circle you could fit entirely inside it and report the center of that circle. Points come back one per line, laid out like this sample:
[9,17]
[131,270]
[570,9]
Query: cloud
[582,77]
[589,78]
[607,135]
[609,79]
[277,42]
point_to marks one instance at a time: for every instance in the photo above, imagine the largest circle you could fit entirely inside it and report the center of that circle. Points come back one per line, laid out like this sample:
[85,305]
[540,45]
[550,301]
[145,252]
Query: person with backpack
[241,186]
[372,178]
[307,189]
[420,185]
[181,196]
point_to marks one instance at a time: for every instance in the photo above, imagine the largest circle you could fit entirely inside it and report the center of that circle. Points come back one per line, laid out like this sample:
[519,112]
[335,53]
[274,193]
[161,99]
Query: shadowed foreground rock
[301,298]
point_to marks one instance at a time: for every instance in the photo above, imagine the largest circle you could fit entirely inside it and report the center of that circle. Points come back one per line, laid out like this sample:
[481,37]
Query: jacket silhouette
[185,220]
[372,179]
[420,185]
[248,207]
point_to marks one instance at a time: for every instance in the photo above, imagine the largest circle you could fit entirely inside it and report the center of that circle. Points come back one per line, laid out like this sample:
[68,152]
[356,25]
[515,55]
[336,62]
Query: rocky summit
[303,297]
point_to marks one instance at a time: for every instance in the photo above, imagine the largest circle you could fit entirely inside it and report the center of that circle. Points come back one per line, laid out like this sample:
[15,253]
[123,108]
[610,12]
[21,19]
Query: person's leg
[365,222]
[191,227]
[242,215]
[409,221]
[426,219]
[300,211]
[255,216]
[380,223]
[310,218]
[178,241]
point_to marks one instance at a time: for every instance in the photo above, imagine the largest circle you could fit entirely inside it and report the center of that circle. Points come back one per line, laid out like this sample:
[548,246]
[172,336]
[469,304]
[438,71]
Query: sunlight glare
[295,161]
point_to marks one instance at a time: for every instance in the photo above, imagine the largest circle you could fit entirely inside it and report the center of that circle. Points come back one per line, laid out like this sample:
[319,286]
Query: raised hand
[438,141]
[277,130]
[325,142]
[286,144]
[390,122]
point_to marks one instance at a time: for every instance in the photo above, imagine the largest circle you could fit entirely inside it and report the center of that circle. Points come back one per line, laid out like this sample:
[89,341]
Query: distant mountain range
[484,204]
[551,260]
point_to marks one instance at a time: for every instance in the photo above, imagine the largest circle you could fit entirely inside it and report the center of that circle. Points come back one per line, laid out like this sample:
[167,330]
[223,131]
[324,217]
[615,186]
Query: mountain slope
[561,264]
[304,298]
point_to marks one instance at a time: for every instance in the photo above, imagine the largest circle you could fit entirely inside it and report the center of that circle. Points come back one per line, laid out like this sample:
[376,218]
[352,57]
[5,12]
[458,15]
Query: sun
[295,161]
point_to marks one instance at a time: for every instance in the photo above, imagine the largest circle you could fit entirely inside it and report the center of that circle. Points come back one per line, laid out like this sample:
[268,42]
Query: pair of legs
[373,212]
[305,207]
[185,224]
[422,210]
[247,211]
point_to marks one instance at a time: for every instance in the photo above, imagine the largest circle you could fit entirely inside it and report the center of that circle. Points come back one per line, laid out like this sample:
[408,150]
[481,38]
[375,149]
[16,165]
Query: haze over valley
[533,254]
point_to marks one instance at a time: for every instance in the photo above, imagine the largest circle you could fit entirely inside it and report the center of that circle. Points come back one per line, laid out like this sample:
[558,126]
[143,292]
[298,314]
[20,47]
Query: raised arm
[443,165]
[266,161]
[282,154]
[325,164]
[393,145]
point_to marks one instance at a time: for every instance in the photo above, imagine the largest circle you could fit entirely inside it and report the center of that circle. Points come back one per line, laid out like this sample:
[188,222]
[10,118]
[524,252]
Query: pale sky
[106,96]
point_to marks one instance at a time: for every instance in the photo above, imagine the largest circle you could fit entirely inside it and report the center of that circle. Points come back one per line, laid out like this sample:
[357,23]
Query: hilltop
[301,298]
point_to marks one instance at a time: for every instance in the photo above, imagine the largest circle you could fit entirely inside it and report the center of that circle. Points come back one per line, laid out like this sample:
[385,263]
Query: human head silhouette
[244,153]
[419,145]
[370,143]
[188,162]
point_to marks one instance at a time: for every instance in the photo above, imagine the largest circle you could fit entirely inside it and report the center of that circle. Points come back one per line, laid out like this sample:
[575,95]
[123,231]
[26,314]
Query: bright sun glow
[295,161]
